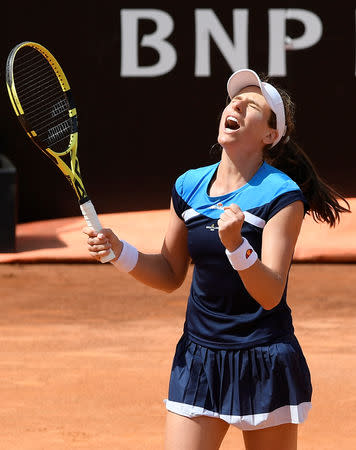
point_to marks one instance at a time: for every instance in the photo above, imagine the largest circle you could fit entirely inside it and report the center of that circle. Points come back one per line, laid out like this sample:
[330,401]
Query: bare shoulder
[291,216]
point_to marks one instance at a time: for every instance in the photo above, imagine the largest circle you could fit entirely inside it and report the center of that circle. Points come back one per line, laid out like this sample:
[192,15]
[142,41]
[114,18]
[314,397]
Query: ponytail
[290,158]
[323,200]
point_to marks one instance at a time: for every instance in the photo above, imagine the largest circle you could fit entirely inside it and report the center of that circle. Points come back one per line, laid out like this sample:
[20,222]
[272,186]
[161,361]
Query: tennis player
[238,361]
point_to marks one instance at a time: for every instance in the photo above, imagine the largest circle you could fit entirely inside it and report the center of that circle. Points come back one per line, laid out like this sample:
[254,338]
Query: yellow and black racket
[42,99]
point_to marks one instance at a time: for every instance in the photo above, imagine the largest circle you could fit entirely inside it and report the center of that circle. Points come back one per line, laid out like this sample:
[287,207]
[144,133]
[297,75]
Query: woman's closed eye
[254,106]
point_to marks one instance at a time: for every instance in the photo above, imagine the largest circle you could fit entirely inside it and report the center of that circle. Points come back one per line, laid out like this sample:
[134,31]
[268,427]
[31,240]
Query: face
[244,121]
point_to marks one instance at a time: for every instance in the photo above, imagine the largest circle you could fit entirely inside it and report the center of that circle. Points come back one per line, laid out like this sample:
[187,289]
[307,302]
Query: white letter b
[156,40]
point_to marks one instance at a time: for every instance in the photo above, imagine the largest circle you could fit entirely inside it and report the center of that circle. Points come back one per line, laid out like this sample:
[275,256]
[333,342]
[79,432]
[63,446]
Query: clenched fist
[230,224]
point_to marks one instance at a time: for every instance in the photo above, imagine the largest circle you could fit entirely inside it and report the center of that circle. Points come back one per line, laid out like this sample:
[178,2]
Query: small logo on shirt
[248,252]
[212,227]
[217,206]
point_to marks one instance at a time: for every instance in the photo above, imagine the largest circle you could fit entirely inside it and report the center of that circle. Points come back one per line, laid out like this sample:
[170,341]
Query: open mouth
[231,123]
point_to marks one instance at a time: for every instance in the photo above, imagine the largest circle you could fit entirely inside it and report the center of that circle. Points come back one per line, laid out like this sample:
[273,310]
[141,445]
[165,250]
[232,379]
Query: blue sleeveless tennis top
[220,312]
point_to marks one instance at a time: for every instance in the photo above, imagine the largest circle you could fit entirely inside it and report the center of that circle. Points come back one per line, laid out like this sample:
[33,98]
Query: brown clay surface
[86,354]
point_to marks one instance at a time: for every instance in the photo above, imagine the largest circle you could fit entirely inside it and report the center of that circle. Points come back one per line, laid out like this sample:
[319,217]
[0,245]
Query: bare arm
[166,270]
[266,279]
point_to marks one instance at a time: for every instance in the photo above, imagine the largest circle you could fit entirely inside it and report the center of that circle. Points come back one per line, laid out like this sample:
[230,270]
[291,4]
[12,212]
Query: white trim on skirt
[285,414]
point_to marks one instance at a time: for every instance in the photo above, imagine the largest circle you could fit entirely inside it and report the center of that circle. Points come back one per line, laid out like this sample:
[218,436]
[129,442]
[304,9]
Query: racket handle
[93,221]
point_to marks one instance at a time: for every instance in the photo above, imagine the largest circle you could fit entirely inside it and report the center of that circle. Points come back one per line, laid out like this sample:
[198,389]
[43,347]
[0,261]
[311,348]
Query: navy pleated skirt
[250,388]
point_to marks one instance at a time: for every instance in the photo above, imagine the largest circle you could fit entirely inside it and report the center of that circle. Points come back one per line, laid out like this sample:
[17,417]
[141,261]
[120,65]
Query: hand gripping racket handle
[93,221]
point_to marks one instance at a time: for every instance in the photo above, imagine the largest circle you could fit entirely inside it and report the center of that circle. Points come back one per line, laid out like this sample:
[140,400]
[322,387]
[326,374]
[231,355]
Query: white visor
[246,77]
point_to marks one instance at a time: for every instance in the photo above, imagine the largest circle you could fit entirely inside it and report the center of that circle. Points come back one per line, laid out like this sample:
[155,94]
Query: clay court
[86,351]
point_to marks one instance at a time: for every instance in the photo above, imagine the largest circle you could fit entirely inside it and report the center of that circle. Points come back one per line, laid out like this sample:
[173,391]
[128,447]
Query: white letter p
[279,42]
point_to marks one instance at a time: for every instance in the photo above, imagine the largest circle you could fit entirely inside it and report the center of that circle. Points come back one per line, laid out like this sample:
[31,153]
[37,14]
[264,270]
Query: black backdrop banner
[150,84]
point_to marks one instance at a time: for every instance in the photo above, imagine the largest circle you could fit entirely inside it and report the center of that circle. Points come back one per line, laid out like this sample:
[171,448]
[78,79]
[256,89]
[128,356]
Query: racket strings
[36,112]
[25,73]
[36,86]
[48,124]
[43,101]
[47,131]
[32,108]
[38,58]
[58,132]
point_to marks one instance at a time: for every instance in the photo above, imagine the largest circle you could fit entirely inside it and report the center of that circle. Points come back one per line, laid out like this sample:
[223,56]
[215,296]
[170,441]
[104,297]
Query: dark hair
[290,158]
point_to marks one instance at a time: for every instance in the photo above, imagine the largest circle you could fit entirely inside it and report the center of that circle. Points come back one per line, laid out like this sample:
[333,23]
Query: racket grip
[93,221]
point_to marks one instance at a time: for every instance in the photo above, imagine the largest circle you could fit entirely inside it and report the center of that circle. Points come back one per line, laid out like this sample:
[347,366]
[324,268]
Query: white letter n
[208,26]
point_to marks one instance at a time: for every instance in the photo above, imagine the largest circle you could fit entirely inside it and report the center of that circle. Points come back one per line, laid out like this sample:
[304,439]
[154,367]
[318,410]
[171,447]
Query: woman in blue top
[238,361]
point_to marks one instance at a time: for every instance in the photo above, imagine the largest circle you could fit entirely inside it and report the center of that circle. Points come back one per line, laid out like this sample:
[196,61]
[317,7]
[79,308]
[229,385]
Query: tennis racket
[42,99]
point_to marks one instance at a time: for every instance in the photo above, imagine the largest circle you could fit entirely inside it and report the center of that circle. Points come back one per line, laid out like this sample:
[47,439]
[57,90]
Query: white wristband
[128,258]
[243,257]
